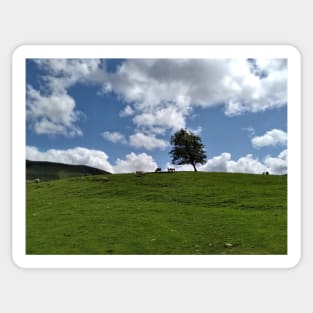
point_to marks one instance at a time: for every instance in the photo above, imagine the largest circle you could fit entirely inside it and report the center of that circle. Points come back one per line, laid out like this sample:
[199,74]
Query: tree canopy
[187,149]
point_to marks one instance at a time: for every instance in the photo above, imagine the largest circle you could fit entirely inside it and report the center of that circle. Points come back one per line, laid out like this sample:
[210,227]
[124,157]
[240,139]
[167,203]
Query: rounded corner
[294,262]
[17,262]
[19,51]
[294,51]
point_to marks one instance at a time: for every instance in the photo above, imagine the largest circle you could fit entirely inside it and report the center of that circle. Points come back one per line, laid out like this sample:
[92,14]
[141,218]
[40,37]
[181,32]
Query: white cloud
[273,137]
[144,162]
[246,164]
[179,168]
[94,158]
[54,114]
[283,155]
[135,162]
[277,165]
[149,142]
[128,111]
[52,110]
[217,163]
[77,156]
[160,94]
[164,118]
[114,137]
[61,74]
[163,92]
[197,131]
[224,163]
[250,130]
[137,140]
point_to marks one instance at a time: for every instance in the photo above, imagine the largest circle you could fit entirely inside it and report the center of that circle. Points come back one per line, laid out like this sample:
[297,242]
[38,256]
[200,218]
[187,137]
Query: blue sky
[119,114]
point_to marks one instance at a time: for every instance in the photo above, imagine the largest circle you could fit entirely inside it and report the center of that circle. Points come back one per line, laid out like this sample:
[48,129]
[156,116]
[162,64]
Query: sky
[119,114]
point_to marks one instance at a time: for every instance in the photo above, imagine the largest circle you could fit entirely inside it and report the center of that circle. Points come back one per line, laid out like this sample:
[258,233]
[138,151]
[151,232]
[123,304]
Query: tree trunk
[194,167]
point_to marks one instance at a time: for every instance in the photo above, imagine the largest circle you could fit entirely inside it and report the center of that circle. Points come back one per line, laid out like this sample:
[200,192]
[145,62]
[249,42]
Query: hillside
[174,213]
[50,170]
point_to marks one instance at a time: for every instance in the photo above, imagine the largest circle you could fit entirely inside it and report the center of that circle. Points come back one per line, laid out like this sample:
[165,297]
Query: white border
[155,261]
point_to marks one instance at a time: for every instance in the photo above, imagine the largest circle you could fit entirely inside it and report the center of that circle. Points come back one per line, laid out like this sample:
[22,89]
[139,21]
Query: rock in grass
[227,245]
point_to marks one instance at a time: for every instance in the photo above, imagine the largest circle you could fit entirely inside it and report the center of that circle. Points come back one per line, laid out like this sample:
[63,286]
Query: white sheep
[139,173]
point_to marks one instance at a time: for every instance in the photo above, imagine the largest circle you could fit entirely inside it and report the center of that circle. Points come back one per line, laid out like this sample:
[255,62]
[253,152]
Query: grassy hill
[50,170]
[174,213]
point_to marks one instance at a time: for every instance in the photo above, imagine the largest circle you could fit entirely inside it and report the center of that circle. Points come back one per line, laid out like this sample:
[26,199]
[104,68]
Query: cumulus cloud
[224,163]
[144,162]
[95,158]
[54,114]
[217,164]
[168,117]
[277,165]
[149,142]
[128,111]
[246,164]
[52,110]
[135,162]
[114,137]
[60,74]
[196,131]
[137,140]
[273,137]
[77,156]
[180,168]
[163,92]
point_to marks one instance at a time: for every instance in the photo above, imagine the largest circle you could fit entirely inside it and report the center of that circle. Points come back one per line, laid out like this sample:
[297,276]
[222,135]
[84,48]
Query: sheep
[171,169]
[158,170]
[37,180]
[140,173]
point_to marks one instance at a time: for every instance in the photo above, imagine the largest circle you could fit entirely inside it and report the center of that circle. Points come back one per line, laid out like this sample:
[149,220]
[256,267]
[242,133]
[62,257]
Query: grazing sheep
[37,180]
[140,173]
[171,169]
[158,170]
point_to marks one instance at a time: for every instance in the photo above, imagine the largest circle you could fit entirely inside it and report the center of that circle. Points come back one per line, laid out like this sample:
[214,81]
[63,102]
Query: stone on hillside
[227,245]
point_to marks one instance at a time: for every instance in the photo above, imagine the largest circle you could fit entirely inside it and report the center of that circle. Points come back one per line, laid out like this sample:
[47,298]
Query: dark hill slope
[50,170]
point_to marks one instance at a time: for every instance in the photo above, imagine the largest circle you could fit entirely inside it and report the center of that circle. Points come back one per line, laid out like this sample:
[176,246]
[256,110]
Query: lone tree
[187,149]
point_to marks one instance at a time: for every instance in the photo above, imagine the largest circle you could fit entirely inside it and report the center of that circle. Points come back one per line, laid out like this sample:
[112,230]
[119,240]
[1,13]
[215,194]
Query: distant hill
[50,170]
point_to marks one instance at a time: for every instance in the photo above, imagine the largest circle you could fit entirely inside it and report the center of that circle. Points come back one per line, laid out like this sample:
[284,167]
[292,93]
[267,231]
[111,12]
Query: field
[158,213]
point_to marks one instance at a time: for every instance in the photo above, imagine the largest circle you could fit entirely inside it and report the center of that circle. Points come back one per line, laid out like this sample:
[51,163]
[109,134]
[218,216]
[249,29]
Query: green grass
[175,213]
